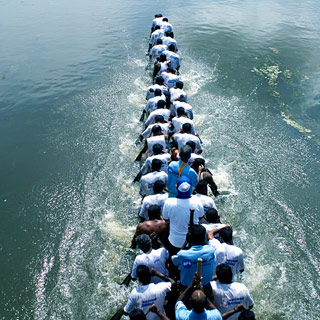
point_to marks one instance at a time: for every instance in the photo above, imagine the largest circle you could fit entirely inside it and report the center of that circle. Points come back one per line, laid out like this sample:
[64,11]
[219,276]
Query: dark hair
[180,111]
[172,48]
[154,211]
[191,144]
[157,148]
[186,127]
[157,27]
[246,315]
[161,104]
[157,92]
[162,57]
[159,118]
[226,234]
[224,273]
[197,234]
[144,242]
[137,314]
[143,274]
[196,163]
[158,186]
[159,41]
[212,215]
[156,165]
[202,187]
[156,129]
[165,19]
[171,70]
[159,81]
[185,153]
[179,84]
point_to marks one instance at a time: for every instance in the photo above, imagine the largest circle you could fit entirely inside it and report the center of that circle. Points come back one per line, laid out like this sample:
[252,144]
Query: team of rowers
[189,262]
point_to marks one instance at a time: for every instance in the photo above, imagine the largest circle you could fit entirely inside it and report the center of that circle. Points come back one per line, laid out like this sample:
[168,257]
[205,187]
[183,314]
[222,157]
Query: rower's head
[159,81]
[159,118]
[154,211]
[186,128]
[157,148]
[247,315]
[184,187]
[159,41]
[171,70]
[156,165]
[172,48]
[192,145]
[161,104]
[180,112]
[185,153]
[158,15]
[143,274]
[157,92]
[225,235]
[158,186]
[169,34]
[179,84]
[197,163]
[137,314]
[197,235]
[212,216]
[156,130]
[224,273]
[165,19]
[144,242]
[202,187]
[157,27]
[198,301]
[162,58]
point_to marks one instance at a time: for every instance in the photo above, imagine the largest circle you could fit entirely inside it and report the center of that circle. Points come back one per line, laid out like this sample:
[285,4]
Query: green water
[73,78]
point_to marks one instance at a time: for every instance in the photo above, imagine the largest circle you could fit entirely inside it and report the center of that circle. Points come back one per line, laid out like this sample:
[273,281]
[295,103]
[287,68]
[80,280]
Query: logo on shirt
[187,263]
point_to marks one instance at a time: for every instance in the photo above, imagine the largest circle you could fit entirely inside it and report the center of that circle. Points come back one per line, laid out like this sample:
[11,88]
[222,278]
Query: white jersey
[162,112]
[173,57]
[187,108]
[156,259]
[154,199]
[213,226]
[164,128]
[145,296]
[183,138]
[226,296]
[155,35]
[176,93]
[151,90]
[228,254]
[170,79]
[193,157]
[152,103]
[206,201]
[164,157]
[154,140]
[156,22]
[178,122]
[148,180]
[163,67]
[178,212]
[170,41]
[166,26]
[157,50]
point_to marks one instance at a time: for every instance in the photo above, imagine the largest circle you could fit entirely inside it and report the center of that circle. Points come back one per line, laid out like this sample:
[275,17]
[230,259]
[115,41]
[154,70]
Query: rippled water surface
[72,81]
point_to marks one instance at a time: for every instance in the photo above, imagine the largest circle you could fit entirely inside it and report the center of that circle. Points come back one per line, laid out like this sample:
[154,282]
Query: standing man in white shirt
[177,212]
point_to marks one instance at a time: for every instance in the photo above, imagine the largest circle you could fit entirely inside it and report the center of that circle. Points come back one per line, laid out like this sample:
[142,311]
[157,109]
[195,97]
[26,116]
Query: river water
[73,78]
